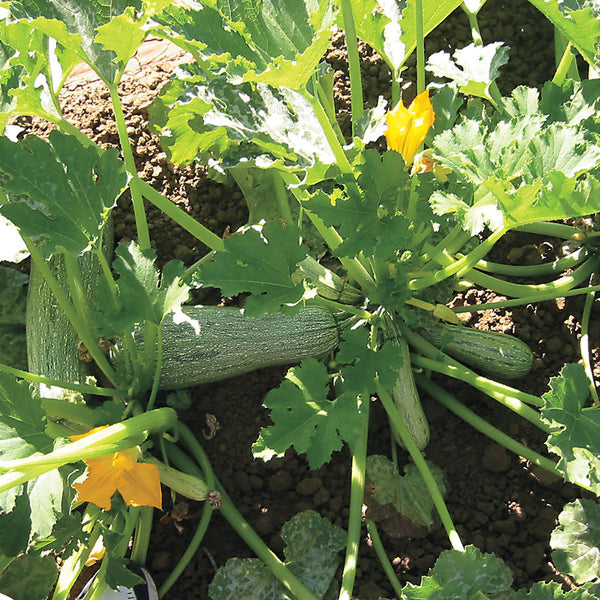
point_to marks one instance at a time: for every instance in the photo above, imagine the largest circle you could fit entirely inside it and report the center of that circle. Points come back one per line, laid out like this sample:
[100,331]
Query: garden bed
[499,502]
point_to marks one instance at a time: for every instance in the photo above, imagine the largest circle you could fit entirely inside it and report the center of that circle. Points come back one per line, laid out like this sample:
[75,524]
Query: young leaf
[305,418]
[139,278]
[60,192]
[575,542]
[468,575]
[407,493]
[574,430]
[278,42]
[372,221]
[261,261]
[312,545]
[475,67]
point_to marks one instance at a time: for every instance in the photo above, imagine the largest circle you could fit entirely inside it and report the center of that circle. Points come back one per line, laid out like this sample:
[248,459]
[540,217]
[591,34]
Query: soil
[498,501]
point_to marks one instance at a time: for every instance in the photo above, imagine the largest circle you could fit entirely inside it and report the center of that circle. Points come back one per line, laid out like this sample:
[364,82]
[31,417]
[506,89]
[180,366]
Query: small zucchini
[494,353]
[406,398]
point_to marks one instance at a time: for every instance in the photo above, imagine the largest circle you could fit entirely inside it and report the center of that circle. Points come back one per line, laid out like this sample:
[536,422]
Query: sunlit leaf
[306,419]
[260,261]
[60,192]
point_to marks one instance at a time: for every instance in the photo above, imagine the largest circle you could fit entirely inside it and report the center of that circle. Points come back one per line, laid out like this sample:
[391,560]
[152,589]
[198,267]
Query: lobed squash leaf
[574,428]
[304,417]
[311,553]
[60,192]
[260,260]
[575,542]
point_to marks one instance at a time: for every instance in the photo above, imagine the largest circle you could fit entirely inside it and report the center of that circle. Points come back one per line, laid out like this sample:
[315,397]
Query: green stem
[136,198]
[143,531]
[67,385]
[459,409]
[474,25]
[357,494]
[507,397]
[157,367]
[556,288]
[566,66]
[409,443]
[548,268]
[460,266]
[584,343]
[205,235]
[241,526]
[557,230]
[533,299]
[69,411]
[384,561]
[356,92]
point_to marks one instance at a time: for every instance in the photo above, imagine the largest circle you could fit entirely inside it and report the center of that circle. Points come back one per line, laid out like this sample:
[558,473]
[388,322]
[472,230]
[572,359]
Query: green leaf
[29,577]
[578,22]
[305,418]
[144,294]
[261,261]
[22,420]
[312,545]
[241,122]
[372,221]
[574,430]
[389,26]
[575,542]
[362,365]
[278,42]
[75,26]
[468,575]
[474,68]
[60,192]
[407,493]
[553,591]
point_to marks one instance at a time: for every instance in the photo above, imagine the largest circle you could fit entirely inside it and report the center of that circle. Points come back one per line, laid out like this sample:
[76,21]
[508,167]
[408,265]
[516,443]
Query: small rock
[280,481]
[308,486]
[496,458]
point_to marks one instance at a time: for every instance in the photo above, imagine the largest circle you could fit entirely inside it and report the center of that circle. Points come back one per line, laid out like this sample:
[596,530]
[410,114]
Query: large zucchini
[51,340]
[202,344]
[492,352]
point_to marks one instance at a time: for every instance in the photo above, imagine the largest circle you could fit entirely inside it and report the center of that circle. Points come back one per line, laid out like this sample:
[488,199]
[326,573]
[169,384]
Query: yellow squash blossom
[138,483]
[407,127]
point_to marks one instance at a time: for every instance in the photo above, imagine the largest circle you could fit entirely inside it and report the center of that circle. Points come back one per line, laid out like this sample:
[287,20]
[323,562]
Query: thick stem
[356,92]
[136,198]
[357,493]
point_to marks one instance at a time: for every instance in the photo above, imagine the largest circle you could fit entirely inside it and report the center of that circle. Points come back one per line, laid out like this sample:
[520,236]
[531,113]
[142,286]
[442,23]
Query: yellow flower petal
[408,127]
[140,486]
[138,483]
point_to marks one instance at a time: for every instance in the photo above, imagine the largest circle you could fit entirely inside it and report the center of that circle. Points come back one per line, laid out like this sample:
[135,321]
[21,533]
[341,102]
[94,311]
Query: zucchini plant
[400,230]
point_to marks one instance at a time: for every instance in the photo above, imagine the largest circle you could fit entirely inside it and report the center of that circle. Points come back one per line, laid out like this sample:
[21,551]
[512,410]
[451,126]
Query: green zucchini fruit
[51,340]
[202,344]
[494,353]
[407,401]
